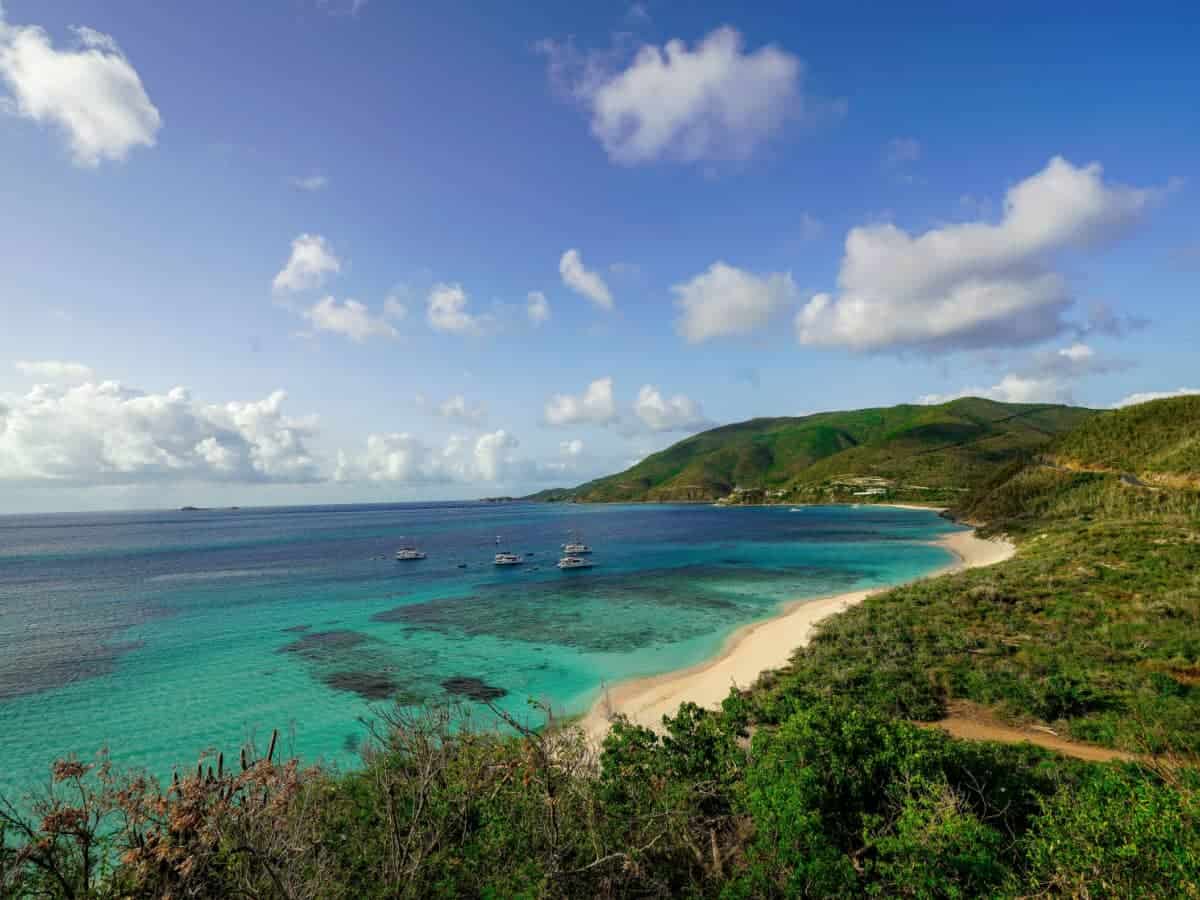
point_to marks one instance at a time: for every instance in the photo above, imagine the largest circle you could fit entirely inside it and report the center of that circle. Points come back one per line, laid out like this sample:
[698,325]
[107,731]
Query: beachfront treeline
[825,780]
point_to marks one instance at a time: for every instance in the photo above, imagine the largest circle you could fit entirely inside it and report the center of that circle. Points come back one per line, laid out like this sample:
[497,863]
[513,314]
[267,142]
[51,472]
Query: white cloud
[1012,388]
[457,409]
[404,458]
[311,260]
[447,311]
[1077,353]
[1047,377]
[537,307]
[349,318]
[974,284]
[729,301]
[1147,396]
[54,369]
[595,406]
[106,433]
[571,448]
[91,91]
[583,281]
[314,182]
[714,101]
[902,150]
[659,413]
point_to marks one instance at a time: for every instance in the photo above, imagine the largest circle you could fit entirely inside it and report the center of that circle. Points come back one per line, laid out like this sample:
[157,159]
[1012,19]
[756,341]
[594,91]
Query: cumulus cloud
[659,413]
[973,284]
[727,301]
[712,101]
[54,369]
[447,311]
[1147,396]
[537,307]
[106,433]
[312,183]
[311,260]
[571,448]
[404,458]
[1048,377]
[457,409]
[1012,388]
[349,318]
[91,92]
[583,281]
[594,406]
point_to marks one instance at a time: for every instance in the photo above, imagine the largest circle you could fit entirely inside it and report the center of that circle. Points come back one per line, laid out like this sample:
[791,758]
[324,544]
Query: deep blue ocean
[165,634]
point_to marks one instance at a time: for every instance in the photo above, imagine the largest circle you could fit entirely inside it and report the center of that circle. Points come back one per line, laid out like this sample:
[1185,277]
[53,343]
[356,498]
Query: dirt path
[975,724]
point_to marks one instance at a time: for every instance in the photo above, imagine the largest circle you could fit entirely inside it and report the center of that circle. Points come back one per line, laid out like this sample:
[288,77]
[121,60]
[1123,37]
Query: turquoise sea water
[165,634]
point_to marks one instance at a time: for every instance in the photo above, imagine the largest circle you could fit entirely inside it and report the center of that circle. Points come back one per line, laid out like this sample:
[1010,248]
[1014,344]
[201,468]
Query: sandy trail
[971,729]
[754,649]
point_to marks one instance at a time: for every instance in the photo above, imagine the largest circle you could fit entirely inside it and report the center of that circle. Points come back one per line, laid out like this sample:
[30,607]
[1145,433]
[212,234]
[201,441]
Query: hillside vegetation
[824,780]
[926,453]
[1158,441]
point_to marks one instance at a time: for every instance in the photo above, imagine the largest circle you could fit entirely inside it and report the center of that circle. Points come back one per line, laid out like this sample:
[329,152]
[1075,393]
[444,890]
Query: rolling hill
[929,453]
[1157,441]
[1125,462]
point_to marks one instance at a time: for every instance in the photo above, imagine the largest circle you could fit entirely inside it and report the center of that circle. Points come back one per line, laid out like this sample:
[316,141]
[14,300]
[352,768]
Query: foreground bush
[835,801]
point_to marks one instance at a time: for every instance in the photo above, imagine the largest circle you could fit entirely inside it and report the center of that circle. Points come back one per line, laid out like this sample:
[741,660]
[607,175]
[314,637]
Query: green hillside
[930,453]
[1159,441]
[1130,461]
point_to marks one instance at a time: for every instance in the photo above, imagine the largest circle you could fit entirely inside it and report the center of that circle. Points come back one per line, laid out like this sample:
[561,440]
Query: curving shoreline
[756,648]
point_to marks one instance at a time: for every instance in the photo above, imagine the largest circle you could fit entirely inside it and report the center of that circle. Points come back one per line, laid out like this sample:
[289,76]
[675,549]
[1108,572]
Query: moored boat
[575,546]
[575,562]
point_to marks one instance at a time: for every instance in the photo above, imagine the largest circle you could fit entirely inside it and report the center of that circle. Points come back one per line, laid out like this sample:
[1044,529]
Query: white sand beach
[754,649]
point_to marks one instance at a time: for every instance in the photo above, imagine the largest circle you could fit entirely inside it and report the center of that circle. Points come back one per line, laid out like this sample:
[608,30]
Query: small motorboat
[405,554]
[575,562]
[507,559]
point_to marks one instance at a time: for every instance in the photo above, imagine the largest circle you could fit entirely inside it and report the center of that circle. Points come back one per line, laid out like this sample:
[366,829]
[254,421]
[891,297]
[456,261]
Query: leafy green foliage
[1119,832]
[1095,627]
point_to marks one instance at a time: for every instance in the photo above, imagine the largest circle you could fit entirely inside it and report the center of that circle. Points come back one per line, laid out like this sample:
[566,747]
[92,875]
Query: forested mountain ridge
[931,453]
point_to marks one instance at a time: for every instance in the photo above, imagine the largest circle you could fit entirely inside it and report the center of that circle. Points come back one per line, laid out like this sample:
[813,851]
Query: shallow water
[163,634]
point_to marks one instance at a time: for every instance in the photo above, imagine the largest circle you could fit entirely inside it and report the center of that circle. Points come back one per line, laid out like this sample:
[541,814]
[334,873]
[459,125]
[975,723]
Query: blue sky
[772,212]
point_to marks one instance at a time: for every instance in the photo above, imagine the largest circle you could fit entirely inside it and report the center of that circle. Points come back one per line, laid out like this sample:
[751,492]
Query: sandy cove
[754,649]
